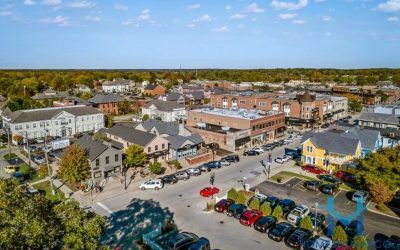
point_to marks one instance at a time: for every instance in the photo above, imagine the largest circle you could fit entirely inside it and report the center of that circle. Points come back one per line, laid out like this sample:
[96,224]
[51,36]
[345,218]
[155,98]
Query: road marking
[337,193]
[104,207]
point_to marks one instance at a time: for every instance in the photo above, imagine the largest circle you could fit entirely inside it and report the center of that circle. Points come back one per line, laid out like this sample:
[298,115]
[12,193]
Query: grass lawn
[9,156]
[31,175]
[45,187]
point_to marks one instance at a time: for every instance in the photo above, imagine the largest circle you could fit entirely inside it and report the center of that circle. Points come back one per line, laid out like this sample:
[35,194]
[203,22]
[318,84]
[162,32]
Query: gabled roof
[164,105]
[368,137]
[169,128]
[152,86]
[377,117]
[333,142]
[131,135]
[173,96]
[100,98]
[92,148]
[179,141]
[49,94]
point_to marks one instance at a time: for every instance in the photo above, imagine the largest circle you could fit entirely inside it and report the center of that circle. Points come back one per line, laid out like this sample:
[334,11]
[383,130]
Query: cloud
[389,6]
[328,34]
[253,8]
[298,4]
[93,18]
[29,2]
[82,4]
[298,21]
[228,7]
[51,2]
[221,29]
[59,20]
[119,6]
[319,1]
[326,18]
[203,18]
[145,15]
[192,25]
[6,13]
[128,22]
[287,16]
[238,16]
[393,19]
[193,6]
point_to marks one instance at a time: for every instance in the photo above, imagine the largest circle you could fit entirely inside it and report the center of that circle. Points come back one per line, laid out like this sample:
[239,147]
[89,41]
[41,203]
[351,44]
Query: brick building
[108,104]
[152,90]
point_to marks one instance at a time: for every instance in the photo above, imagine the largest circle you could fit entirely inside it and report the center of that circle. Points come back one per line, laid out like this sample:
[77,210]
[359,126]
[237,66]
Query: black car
[329,178]
[251,153]
[232,158]
[268,147]
[223,205]
[181,241]
[236,210]
[329,189]
[280,231]
[287,205]
[214,164]
[317,219]
[171,179]
[298,238]
[272,201]
[201,244]
[312,185]
[354,228]
[265,223]
[325,125]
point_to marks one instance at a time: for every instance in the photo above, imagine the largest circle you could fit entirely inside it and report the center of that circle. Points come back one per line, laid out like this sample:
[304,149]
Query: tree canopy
[135,156]
[74,166]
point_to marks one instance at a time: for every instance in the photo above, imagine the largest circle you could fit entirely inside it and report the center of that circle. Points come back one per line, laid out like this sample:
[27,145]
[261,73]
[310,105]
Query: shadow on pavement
[125,227]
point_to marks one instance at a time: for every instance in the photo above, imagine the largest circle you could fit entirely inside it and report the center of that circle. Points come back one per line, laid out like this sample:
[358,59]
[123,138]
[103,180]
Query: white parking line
[104,207]
[337,193]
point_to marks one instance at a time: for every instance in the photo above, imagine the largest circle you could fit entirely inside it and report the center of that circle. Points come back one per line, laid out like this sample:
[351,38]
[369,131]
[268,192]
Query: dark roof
[92,148]
[49,94]
[100,98]
[173,96]
[197,95]
[164,105]
[169,128]
[178,141]
[32,115]
[151,86]
[333,142]
[306,97]
[378,117]
[131,135]
[368,137]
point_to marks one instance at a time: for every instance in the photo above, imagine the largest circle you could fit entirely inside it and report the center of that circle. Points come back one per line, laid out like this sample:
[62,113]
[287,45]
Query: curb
[383,214]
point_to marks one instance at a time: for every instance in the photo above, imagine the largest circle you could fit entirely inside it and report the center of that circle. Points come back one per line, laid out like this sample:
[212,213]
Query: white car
[259,149]
[260,197]
[152,184]
[320,243]
[286,157]
[39,159]
[288,141]
[297,214]
[279,160]
[225,163]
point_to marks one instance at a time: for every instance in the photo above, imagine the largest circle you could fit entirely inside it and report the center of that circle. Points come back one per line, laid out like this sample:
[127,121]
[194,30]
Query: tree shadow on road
[125,227]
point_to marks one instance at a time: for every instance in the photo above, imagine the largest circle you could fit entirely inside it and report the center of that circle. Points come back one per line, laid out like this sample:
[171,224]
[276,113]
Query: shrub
[155,168]
[42,171]
[266,209]
[255,204]
[176,164]
[232,194]
[339,235]
[24,169]
[278,212]
[241,198]
[306,223]
[360,243]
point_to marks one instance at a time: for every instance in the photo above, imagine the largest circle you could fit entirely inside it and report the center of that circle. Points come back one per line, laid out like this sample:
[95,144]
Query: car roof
[301,208]
[286,201]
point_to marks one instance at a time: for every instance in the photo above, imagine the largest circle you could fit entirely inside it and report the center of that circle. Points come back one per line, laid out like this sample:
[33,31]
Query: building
[49,95]
[108,104]
[187,88]
[388,109]
[103,157]
[377,120]
[189,99]
[390,137]
[153,89]
[368,94]
[59,121]
[329,151]
[70,101]
[155,147]
[227,85]
[183,143]
[116,86]
[166,111]
[81,88]
[233,129]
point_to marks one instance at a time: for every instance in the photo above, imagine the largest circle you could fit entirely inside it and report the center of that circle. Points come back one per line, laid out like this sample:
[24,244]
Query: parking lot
[373,223]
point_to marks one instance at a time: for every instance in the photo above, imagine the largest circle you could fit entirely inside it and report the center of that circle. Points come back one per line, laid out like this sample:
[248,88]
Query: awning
[242,141]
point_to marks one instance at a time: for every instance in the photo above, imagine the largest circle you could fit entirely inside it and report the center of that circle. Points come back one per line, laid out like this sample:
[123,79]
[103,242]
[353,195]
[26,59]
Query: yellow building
[329,151]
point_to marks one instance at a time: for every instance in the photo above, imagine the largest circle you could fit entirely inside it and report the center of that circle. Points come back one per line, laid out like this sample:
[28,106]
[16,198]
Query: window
[262,104]
[254,128]
[116,157]
[149,149]
[156,148]
[309,149]
[242,101]
[97,162]
[34,125]
[56,122]
[27,126]
[163,146]
[107,159]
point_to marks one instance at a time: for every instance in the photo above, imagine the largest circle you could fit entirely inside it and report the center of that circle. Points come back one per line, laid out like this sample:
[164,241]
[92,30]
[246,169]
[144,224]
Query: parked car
[152,184]
[193,171]
[329,178]
[312,185]
[10,169]
[214,164]
[319,243]
[202,244]
[250,153]
[209,191]
[171,179]
[313,169]
[317,219]
[272,201]
[280,231]
[181,240]
[39,159]
[19,176]
[287,141]
[258,149]
[260,197]
[225,163]
[287,205]
[232,158]
[297,214]
[268,147]
[353,229]
[236,210]
[346,177]
[182,175]
[223,205]
[330,189]
[280,160]
[204,168]
[286,158]
[250,217]
[360,196]
[31,189]
[298,238]
[39,140]
[292,155]
[265,223]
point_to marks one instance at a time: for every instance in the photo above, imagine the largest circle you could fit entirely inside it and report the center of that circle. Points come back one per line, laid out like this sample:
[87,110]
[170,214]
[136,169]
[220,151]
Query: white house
[116,86]
[58,121]
[167,111]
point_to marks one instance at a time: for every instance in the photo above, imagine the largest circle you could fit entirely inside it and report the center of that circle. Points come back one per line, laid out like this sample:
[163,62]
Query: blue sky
[199,34]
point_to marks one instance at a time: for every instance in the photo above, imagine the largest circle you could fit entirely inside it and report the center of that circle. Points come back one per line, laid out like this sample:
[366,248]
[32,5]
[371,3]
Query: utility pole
[9,142]
[47,164]
[29,151]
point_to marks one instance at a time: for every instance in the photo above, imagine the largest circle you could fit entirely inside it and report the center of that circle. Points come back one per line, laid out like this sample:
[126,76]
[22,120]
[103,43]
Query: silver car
[182,175]
[225,163]
[193,171]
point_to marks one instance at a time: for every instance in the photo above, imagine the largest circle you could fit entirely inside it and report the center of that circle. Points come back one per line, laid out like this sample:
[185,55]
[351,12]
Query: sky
[169,34]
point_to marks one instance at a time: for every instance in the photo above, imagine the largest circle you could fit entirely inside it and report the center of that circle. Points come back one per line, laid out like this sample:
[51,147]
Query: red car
[208,191]
[223,205]
[313,169]
[346,177]
[250,217]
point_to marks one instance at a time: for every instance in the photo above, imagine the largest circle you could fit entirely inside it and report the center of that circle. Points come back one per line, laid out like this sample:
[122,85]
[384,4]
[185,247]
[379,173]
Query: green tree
[359,243]
[145,117]
[255,204]
[232,194]
[124,107]
[109,121]
[134,156]
[339,235]
[380,193]
[266,209]
[306,223]
[278,212]
[74,166]
[355,106]
[156,168]
[241,198]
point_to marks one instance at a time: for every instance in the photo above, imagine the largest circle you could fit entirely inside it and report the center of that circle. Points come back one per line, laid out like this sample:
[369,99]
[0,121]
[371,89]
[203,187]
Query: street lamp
[316,213]
[47,163]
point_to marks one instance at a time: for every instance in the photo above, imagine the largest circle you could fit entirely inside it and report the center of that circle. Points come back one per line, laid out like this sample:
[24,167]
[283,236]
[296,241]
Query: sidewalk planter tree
[278,212]
[74,166]
[360,243]
[135,156]
[155,168]
[255,204]
[232,194]
[266,209]
[306,223]
[339,235]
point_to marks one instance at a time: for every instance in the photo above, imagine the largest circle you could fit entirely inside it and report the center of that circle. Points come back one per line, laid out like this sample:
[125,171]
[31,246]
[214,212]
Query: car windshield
[296,212]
